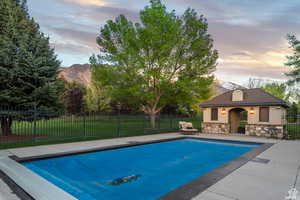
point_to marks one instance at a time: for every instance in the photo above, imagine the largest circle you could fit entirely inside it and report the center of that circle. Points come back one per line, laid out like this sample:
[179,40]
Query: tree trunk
[6,123]
[152,112]
[152,120]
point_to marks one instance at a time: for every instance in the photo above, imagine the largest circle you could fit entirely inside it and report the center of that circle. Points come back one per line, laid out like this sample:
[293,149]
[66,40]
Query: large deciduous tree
[97,97]
[161,60]
[255,83]
[28,65]
[280,90]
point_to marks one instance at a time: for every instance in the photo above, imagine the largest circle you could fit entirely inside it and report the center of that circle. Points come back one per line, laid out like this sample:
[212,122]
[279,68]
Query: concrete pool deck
[254,180]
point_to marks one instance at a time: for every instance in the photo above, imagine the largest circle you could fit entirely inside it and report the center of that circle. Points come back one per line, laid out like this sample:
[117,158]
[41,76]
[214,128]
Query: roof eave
[246,104]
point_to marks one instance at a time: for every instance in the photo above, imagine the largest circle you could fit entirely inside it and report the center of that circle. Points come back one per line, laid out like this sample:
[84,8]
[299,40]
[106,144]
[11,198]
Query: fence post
[34,123]
[171,122]
[285,125]
[144,123]
[119,124]
[159,118]
[84,126]
[119,107]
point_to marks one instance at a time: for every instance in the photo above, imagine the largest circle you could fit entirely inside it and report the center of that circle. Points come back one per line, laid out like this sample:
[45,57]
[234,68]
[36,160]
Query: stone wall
[261,130]
[258,130]
[215,128]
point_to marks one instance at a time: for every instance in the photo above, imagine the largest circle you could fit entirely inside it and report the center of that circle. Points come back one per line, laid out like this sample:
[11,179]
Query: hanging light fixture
[223,111]
[252,111]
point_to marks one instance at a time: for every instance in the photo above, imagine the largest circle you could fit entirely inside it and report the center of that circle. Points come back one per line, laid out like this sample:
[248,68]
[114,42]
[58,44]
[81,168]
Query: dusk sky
[250,35]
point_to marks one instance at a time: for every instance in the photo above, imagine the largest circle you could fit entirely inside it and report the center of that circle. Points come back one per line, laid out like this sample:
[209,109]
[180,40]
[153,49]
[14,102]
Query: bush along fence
[20,127]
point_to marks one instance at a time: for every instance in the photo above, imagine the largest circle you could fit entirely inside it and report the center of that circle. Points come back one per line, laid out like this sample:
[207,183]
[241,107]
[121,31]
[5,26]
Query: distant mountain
[77,73]
[230,85]
[224,86]
[219,88]
[82,74]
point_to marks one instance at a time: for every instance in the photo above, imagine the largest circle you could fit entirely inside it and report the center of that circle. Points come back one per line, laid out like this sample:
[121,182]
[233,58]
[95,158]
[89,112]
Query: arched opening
[238,118]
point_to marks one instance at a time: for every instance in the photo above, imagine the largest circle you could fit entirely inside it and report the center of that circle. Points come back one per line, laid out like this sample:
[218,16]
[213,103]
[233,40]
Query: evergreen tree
[28,65]
[294,60]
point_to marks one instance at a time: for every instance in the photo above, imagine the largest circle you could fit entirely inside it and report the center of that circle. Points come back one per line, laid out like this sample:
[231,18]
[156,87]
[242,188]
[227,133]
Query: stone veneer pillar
[210,127]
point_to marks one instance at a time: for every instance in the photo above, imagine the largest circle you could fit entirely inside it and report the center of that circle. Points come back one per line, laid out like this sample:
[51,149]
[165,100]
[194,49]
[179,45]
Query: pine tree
[28,65]
[294,60]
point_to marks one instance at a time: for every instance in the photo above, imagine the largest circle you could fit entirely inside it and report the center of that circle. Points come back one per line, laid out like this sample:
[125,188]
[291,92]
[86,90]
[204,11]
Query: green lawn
[69,129]
[293,131]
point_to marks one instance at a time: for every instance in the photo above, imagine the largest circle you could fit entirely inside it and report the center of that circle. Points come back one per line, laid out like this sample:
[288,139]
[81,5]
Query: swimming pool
[140,172]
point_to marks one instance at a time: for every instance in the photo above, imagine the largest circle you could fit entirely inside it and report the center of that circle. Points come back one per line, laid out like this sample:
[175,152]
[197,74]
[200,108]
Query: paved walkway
[6,193]
[253,180]
[261,181]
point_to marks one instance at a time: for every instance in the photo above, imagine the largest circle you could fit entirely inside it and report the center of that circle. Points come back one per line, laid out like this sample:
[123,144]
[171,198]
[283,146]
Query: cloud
[74,28]
[241,74]
[88,2]
[70,37]
[269,58]
[239,22]
[242,53]
[101,14]
[73,49]
[275,58]
[249,35]
[241,66]
[77,36]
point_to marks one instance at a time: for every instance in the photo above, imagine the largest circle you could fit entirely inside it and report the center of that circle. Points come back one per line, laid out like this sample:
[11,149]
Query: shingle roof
[251,97]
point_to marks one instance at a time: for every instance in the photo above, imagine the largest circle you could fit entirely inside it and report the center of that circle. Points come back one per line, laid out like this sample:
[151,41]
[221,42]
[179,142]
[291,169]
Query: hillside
[82,74]
[78,73]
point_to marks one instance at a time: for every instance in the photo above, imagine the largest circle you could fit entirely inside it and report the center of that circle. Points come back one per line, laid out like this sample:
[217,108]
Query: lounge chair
[187,128]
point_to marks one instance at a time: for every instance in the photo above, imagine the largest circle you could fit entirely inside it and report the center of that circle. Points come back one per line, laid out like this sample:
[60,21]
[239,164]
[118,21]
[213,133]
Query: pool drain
[260,160]
[125,179]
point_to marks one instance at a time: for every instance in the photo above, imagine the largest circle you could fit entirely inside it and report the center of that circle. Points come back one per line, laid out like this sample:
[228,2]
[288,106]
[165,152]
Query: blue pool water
[150,170]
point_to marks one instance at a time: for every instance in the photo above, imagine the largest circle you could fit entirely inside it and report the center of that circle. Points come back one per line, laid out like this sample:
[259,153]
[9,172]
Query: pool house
[252,112]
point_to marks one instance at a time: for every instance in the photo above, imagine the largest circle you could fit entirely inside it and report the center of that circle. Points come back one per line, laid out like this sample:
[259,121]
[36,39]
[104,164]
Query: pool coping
[28,185]
[184,192]
[17,190]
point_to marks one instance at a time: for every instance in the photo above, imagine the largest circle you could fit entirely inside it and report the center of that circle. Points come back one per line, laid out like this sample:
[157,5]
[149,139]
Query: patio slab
[208,195]
[78,146]
[268,181]
[6,193]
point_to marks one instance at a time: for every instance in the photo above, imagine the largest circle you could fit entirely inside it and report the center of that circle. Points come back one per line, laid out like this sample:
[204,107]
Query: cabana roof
[251,97]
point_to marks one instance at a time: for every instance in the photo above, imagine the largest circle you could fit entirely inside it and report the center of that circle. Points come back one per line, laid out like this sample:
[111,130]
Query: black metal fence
[292,126]
[23,127]
[20,127]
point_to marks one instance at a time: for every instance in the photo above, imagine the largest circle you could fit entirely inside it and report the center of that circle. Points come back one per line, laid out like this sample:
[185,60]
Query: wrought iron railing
[36,126]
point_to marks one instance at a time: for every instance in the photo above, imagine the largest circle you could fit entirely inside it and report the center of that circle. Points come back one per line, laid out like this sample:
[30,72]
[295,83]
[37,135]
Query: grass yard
[293,131]
[69,129]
